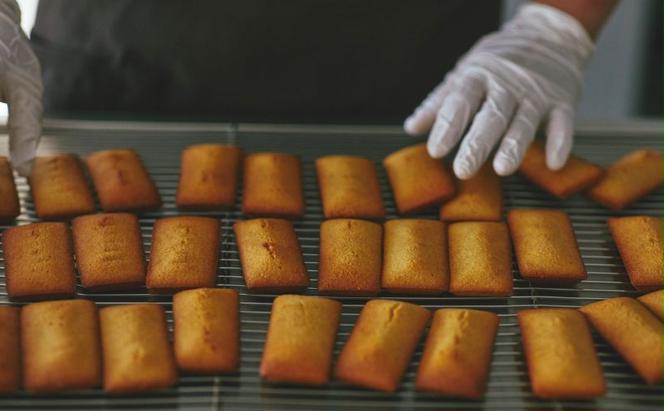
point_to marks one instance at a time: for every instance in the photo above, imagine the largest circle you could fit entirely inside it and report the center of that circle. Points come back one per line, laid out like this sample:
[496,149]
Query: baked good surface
[273,185]
[418,181]
[38,261]
[545,245]
[208,177]
[60,346]
[639,242]
[59,188]
[381,344]
[632,330]
[350,257]
[654,302]
[349,187]
[207,330]
[184,254]
[415,257]
[300,339]
[10,349]
[561,356]
[136,352]
[122,182]
[9,204]
[628,179]
[457,353]
[479,198]
[480,255]
[577,175]
[270,255]
[109,251]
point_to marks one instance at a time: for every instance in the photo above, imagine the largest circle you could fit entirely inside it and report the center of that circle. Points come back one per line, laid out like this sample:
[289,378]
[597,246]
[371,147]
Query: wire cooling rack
[160,145]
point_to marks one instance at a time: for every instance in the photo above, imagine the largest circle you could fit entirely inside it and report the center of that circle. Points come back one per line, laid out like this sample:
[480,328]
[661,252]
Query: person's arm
[527,73]
[20,88]
[592,14]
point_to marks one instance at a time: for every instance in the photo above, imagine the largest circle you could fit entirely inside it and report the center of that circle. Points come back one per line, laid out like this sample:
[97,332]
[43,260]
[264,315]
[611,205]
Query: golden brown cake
[9,205]
[457,353]
[653,301]
[270,255]
[349,187]
[415,256]
[207,330]
[633,331]
[38,261]
[137,354]
[10,350]
[628,179]
[300,340]
[577,174]
[545,245]
[273,186]
[208,177]
[639,241]
[122,182]
[480,198]
[59,188]
[350,257]
[184,253]
[562,362]
[109,251]
[418,181]
[60,345]
[383,340]
[480,256]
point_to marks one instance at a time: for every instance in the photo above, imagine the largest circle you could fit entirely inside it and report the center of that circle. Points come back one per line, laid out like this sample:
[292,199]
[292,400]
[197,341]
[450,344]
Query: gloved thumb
[24,99]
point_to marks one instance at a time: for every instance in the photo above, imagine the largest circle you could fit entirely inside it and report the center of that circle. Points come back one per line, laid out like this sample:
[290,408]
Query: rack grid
[160,145]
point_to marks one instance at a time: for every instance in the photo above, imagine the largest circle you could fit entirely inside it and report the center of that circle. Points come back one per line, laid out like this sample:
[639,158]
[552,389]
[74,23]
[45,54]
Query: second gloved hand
[510,81]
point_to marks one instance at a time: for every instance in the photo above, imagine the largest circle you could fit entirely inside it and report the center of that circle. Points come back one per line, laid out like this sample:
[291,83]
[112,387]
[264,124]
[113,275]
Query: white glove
[529,71]
[20,88]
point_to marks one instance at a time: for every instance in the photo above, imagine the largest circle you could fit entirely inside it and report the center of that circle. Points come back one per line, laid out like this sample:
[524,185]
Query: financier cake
[479,198]
[300,340]
[136,352]
[633,331]
[349,187]
[208,177]
[60,346]
[480,259]
[414,256]
[639,242]
[457,353]
[273,186]
[270,255]
[59,188]
[109,251]
[184,254]
[576,175]
[562,362]
[122,182]
[9,205]
[655,302]
[10,349]
[38,261]
[383,340]
[207,330]
[628,179]
[418,181]
[545,245]
[350,257]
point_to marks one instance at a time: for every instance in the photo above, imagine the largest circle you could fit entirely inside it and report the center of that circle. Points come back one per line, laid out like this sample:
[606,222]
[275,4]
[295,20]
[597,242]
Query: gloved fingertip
[555,163]
[411,126]
[462,169]
[503,166]
[24,169]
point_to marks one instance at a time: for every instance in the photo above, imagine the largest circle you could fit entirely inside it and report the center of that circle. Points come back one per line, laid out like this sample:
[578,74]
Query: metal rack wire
[160,145]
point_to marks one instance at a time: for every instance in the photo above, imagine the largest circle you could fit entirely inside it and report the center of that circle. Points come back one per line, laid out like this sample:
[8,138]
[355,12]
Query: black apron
[352,61]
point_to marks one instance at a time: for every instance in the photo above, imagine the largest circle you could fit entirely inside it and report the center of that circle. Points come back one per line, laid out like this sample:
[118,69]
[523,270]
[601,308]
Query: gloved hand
[529,71]
[20,88]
